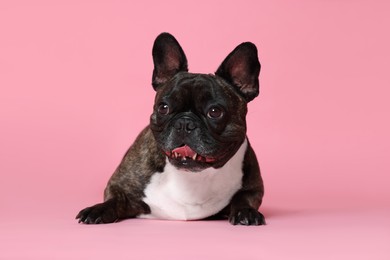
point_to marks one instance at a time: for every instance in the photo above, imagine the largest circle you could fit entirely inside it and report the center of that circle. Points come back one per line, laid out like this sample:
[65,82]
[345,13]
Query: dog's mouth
[185,153]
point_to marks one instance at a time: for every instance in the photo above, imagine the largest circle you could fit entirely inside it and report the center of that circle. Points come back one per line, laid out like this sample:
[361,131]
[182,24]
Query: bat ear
[168,59]
[241,68]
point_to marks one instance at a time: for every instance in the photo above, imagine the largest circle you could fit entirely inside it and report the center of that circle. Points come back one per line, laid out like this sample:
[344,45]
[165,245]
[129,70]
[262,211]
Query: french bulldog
[193,161]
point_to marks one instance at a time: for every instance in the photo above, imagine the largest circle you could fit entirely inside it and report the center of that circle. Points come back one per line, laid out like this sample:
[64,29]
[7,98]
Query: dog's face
[198,120]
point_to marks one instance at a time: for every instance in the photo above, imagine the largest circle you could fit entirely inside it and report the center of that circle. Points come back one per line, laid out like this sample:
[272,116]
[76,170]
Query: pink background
[75,91]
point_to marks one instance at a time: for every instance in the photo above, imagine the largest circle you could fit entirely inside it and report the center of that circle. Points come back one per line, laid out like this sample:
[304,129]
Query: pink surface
[75,91]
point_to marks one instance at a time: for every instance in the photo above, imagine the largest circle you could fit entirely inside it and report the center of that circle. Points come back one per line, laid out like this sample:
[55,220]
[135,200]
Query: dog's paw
[100,213]
[247,217]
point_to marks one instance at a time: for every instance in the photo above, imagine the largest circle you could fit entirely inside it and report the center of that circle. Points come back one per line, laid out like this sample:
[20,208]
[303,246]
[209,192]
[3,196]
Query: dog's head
[199,120]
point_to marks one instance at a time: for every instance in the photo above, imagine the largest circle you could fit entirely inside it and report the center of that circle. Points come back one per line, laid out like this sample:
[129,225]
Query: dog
[193,161]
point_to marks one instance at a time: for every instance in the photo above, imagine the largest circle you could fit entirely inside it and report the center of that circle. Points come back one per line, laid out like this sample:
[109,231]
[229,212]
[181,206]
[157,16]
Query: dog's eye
[163,109]
[215,113]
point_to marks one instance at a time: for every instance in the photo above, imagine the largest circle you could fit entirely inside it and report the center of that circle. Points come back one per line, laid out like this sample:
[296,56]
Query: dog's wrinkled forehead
[198,89]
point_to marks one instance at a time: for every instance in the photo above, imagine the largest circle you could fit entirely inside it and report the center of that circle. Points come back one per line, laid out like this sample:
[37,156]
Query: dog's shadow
[273,212]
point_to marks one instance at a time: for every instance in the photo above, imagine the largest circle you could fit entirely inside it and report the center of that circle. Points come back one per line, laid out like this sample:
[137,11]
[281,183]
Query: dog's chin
[189,165]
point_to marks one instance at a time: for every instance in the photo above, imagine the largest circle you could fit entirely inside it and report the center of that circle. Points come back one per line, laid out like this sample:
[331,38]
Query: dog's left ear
[241,68]
[168,59]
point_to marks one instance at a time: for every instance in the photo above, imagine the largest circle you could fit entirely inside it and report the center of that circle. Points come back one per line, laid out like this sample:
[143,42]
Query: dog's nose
[185,124]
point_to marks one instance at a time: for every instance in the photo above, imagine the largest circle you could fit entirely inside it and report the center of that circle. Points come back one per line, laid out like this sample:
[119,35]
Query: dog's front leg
[112,210]
[244,209]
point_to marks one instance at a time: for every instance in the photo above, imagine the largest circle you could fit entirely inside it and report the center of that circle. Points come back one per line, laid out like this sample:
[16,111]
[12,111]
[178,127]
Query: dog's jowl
[194,160]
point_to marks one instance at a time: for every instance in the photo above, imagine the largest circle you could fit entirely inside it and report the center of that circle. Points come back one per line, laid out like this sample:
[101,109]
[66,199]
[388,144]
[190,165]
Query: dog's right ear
[168,59]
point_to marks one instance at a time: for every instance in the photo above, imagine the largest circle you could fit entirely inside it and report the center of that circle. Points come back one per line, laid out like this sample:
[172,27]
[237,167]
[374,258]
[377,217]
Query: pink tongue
[184,151]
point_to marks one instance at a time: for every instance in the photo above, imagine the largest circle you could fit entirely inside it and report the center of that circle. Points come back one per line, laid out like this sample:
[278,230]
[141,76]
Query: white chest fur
[181,195]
